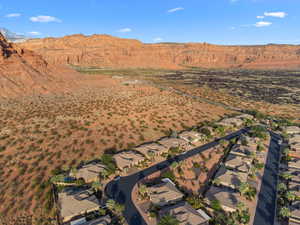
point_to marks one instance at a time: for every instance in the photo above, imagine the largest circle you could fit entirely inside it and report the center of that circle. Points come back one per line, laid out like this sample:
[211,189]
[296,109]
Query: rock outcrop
[23,72]
[108,51]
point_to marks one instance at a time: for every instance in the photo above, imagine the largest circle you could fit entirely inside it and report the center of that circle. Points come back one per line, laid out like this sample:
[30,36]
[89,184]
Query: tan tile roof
[185,214]
[148,149]
[76,201]
[292,130]
[230,178]
[295,187]
[294,163]
[238,163]
[90,172]
[242,150]
[231,122]
[294,139]
[191,136]
[227,197]
[164,194]
[104,220]
[245,116]
[295,210]
[127,159]
[170,142]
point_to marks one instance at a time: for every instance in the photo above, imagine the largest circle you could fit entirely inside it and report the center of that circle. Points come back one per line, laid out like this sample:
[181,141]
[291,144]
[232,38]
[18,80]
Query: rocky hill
[108,51]
[24,72]
[13,37]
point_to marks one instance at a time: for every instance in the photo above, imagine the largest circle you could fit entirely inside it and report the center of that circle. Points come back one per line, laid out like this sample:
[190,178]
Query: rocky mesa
[107,51]
[23,72]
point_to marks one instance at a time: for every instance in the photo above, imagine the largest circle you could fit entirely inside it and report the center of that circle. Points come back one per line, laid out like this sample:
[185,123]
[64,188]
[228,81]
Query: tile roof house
[164,193]
[292,130]
[294,163]
[231,122]
[127,159]
[103,220]
[151,149]
[245,116]
[294,187]
[242,150]
[228,198]
[170,142]
[89,172]
[191,136]
[238,163]
[229,178]
[186,214]
[294,139]
[75,201]
[295,211]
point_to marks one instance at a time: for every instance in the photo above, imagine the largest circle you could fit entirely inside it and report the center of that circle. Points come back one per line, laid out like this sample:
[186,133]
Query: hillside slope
[108,51]
[23,72]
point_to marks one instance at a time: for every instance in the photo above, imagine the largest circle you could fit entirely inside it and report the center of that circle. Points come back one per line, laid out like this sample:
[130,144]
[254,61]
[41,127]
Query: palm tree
[96,185]
[247,191]
[143,191]
[104,174]
[290,196]
[114,206]
[168,220]
[284,212]
[282,187]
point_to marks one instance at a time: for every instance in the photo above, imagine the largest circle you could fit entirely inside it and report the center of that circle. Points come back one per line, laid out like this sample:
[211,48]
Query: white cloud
[158,39]
[34,33]
[11,15]
[263,24]
[175,9]
[276,14]
[260,17]
[45,19]
[125,30]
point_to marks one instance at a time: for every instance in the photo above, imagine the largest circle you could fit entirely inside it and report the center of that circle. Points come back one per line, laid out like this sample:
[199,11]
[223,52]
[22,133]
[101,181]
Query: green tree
[143,191]
[247,191]
[168,220]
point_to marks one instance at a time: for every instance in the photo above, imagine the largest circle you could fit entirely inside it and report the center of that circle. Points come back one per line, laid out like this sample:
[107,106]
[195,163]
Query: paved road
[120,190]
[266,209]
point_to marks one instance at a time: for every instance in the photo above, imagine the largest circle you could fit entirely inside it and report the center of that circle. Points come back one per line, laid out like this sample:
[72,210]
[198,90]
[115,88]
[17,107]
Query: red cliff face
[24,72]
[107,51]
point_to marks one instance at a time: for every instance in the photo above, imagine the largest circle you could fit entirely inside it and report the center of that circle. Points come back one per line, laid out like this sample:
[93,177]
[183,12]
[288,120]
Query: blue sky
[212,21]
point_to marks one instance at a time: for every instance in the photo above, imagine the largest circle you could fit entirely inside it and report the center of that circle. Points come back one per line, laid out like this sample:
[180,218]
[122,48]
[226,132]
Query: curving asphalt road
[120,189]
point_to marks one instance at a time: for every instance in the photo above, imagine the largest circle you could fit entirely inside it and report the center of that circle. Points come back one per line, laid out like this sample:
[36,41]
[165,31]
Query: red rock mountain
[108,51]
[24,72]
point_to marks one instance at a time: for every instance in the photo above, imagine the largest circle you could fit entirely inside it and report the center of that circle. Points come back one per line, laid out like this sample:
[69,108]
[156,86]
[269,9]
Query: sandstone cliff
[108,51]
[23,72]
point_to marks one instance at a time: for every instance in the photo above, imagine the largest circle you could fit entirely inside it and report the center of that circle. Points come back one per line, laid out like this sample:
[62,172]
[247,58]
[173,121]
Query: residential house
[292,130]
[127,159]
[103,220]
[89,172]
[242,150]
[191,136]
[228,198]
[245,116]
[152,149]
[238,163]
[295,211]
[229,178]
[164,193]
[294,163]
[231,122]
[294,139]
[170,142]
[186,214]
[75,202]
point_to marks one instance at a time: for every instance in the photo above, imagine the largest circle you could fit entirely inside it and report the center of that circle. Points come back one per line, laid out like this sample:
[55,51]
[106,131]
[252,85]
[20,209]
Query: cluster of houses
[169,200]
[294,169]
[185,141]
[233,172]
[79,204]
